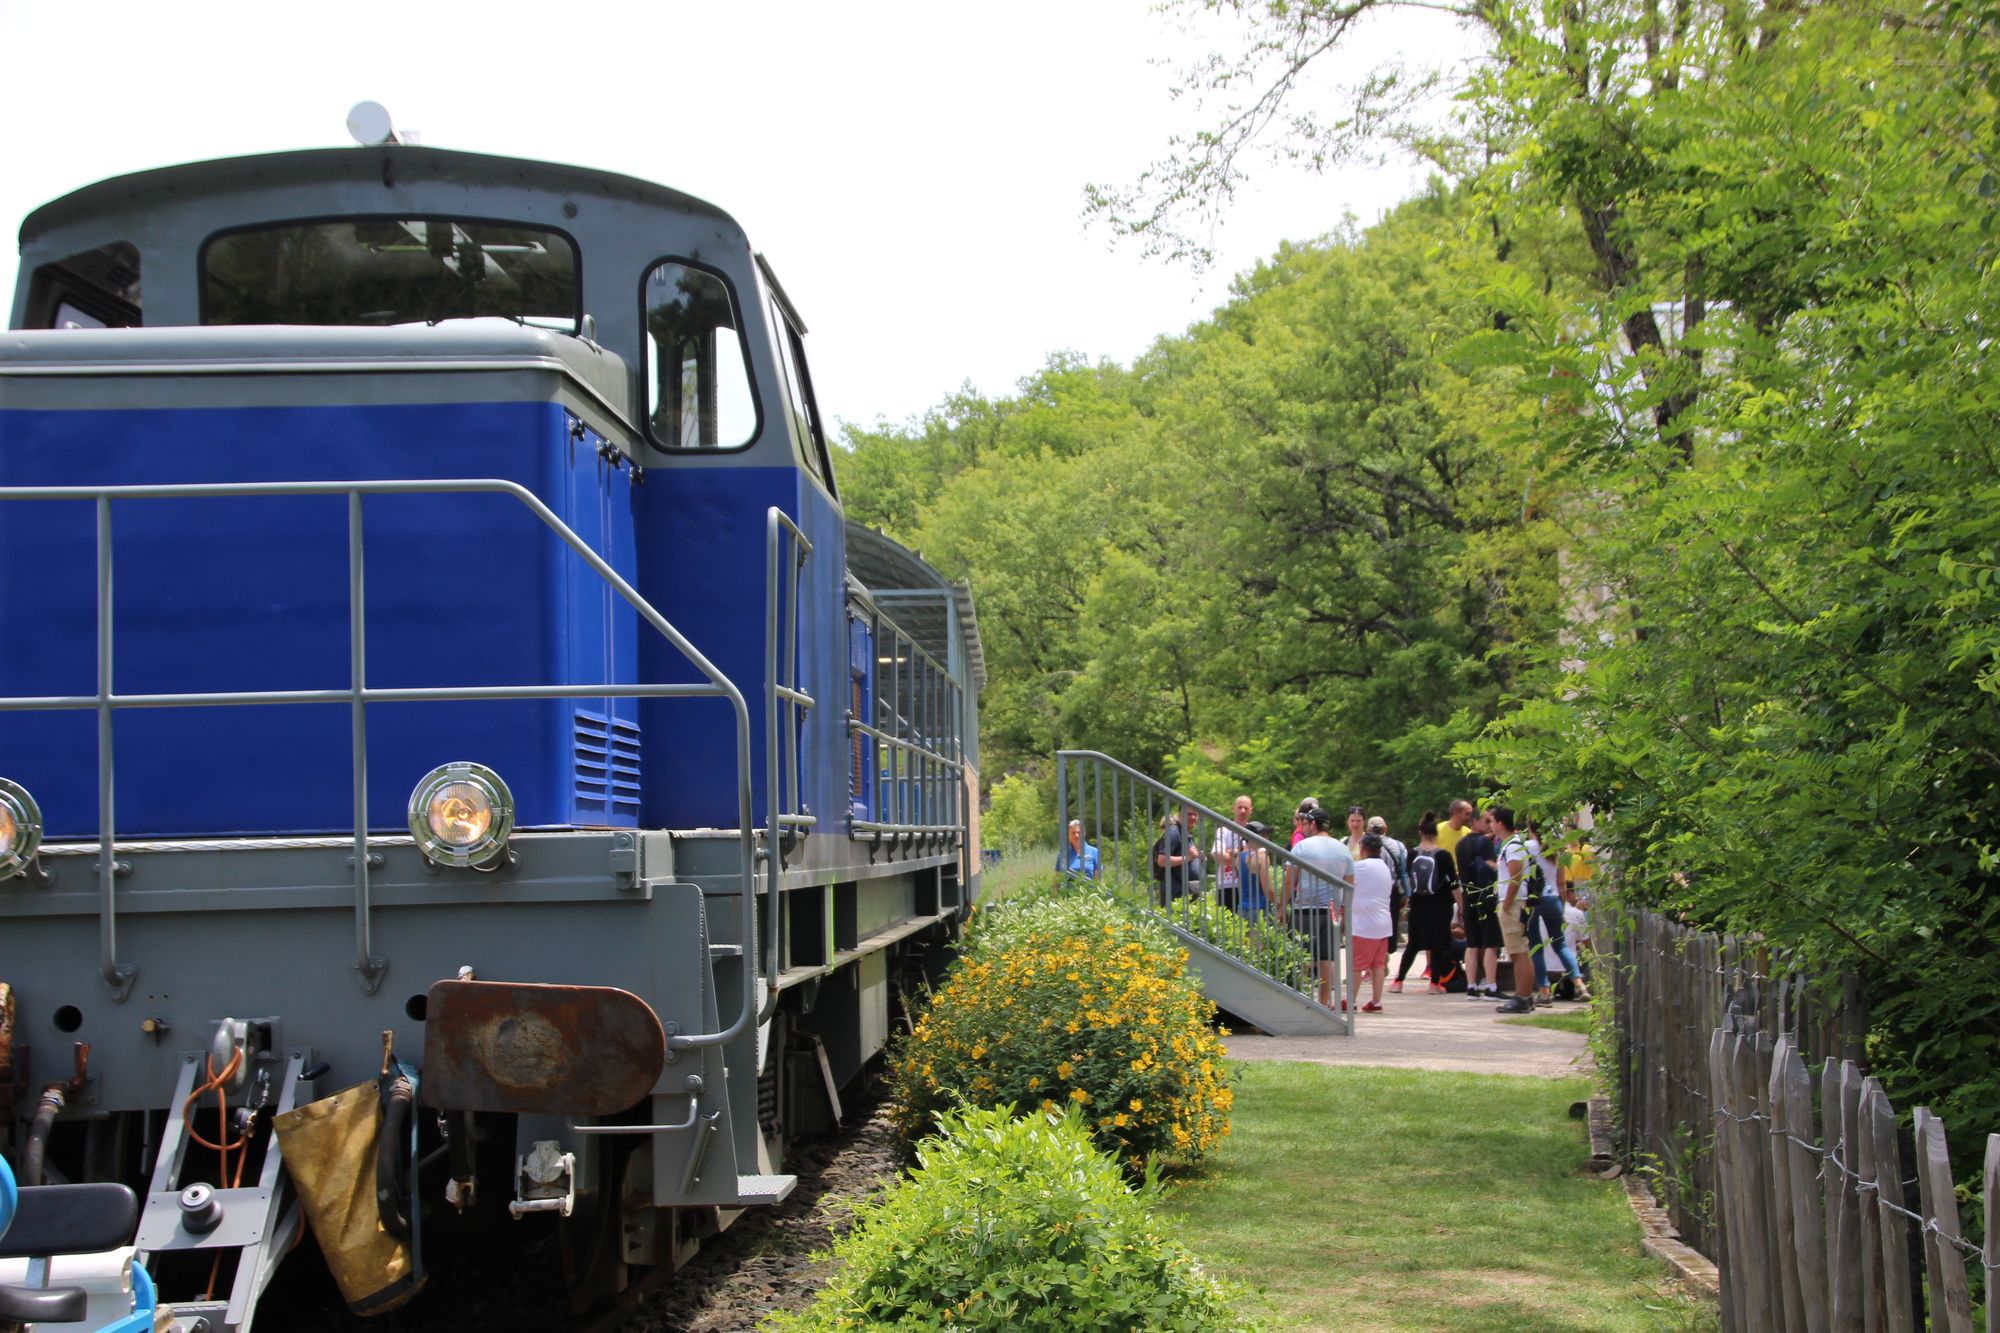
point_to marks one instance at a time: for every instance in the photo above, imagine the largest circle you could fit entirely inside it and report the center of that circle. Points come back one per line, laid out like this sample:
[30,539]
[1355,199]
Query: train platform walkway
[1418,1030]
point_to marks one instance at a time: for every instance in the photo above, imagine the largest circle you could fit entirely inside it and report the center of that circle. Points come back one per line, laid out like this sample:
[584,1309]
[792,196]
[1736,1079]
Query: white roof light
[370,125]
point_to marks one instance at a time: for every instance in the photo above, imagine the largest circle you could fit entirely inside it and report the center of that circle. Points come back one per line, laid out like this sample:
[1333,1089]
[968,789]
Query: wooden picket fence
[1819,1216]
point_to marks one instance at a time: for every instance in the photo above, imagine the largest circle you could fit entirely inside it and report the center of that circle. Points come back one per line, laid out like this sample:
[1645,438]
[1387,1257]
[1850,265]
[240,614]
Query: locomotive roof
[916,596]
[319,167]
[97,241]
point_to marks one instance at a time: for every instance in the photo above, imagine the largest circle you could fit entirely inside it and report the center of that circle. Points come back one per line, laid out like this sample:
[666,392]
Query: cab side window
[95,289]
[697,378]
[804,412]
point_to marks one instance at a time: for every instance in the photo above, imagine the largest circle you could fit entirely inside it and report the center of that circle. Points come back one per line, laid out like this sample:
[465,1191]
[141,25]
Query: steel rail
[911,747]
[119,976]
[370,694]
[371,966]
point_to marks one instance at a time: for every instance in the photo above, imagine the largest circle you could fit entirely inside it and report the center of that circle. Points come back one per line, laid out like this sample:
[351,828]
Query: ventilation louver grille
[607,768]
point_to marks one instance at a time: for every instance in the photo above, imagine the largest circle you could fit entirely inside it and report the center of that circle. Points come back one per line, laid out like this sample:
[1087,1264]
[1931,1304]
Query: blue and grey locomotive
[455,758]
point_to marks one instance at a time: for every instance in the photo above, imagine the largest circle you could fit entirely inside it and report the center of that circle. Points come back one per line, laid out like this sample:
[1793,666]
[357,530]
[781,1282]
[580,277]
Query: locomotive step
[764,1189]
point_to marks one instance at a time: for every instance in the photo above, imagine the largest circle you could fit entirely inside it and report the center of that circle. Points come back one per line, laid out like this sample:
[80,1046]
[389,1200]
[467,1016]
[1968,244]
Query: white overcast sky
[914,171]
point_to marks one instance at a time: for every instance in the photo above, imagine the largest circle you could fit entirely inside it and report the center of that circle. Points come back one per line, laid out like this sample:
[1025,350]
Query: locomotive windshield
[389,271]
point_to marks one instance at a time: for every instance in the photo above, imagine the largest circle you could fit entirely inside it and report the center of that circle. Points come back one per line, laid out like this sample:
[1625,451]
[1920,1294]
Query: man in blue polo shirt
[1080,858]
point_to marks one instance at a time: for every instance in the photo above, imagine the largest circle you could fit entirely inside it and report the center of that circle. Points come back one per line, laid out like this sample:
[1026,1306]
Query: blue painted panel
[701,562]
[248,594]
[702,550]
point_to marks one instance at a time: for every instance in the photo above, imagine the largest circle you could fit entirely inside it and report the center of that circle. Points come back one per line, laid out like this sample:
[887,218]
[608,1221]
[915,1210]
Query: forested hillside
[1647,461]
[1284,546]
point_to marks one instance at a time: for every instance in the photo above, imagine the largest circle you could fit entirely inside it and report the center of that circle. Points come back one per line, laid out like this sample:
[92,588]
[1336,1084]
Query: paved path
[1418,1030]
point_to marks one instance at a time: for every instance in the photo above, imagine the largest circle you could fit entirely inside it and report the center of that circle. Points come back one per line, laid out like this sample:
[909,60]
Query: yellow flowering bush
[1068,1002]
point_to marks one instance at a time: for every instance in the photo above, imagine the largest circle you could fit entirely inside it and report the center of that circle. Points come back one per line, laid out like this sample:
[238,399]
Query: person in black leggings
[1434,876]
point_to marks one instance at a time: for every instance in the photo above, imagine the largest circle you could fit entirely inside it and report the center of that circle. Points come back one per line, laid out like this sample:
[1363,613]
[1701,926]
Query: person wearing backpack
[1547,930]
[1512,865]
[1176,860]
[1479,906]
[1432,878]
[1397,857]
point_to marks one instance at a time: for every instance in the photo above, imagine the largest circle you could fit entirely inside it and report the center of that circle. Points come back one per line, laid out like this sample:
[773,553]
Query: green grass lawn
[1573,1019]
[1392,1199]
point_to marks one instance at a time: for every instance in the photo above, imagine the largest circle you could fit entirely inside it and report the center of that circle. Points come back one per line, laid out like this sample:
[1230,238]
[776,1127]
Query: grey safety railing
[784,703]
[914,751]
[1122,812]
[368,965]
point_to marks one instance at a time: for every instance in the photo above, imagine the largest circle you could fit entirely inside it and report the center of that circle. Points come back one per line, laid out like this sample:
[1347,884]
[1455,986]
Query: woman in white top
[1357,828]
[1368,934]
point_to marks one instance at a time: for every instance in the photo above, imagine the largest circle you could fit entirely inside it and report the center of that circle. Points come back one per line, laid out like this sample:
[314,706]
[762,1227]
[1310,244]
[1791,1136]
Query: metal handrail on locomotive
[455,757]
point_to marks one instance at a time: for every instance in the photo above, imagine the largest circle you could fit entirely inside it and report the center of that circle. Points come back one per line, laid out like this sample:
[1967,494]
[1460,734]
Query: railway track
[764,1262]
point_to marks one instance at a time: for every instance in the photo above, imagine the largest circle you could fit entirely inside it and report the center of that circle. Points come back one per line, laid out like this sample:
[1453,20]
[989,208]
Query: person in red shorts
[1372,924]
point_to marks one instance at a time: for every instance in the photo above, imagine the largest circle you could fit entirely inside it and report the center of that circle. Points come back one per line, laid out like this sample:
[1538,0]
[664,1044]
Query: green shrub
[1067,1001]
[1017,1224]
[1021,813]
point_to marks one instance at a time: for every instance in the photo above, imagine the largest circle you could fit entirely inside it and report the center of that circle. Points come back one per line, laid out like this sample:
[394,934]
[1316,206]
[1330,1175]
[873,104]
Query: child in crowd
[1372,924]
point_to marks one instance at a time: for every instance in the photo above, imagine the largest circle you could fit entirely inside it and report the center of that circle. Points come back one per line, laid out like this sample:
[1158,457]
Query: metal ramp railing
[1257,966]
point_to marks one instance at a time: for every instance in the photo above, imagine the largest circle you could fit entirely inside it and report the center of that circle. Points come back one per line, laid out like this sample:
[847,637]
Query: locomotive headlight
[20,828]
[461,814]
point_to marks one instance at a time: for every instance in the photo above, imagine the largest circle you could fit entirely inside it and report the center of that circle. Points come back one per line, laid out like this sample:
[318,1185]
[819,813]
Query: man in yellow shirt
[1454,827]
[1579,861]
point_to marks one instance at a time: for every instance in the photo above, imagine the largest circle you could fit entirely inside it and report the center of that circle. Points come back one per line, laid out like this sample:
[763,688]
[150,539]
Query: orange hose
[242,1145]
[215,1083]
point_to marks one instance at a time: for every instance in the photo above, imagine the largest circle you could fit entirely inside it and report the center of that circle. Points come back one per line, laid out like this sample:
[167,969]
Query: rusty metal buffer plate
[553,1050]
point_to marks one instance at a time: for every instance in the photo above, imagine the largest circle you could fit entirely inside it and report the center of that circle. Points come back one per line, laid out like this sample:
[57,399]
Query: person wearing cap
[1368,939]
[1311,898]
[1302,825]
[1397,857]
[1512,860]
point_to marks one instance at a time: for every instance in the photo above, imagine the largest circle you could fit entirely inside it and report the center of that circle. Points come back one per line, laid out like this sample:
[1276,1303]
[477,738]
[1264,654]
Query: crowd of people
[1467,888]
